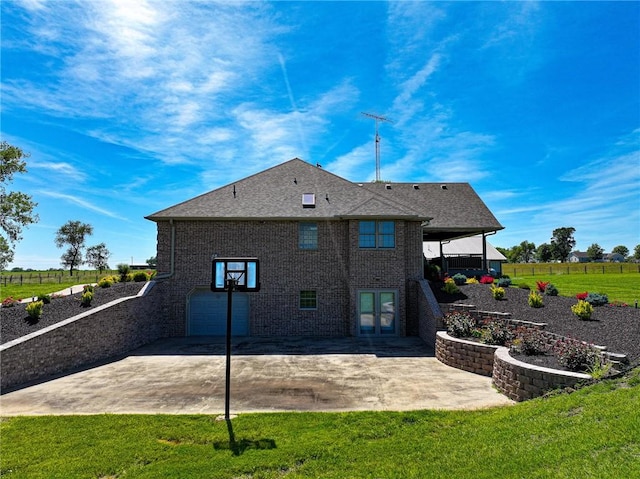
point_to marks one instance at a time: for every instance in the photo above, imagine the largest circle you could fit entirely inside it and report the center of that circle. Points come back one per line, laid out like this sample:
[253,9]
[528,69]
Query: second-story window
[308,235]
[377,234]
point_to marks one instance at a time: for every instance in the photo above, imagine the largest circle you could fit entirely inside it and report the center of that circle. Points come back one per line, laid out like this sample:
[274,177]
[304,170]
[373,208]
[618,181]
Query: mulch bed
[617,328]
[15,322]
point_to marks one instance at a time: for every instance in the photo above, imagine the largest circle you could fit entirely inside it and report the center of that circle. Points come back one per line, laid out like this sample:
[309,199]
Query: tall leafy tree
[6,253]
[636,252]
[562,243]
[595,252]
[527,250]
[544,253]
[16,208]
[621,250]
[98,257]
[73,233]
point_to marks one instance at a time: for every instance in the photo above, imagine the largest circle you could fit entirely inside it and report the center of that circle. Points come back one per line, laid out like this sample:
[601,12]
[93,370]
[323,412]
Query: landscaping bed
[15,322]
[616,327]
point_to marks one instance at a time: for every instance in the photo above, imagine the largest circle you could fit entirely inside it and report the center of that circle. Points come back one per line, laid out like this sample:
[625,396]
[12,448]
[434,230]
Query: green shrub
[431,272]
[459,279]
[497,333]
[140,276]
[597,299]
[450,287]
[497,292]
[45,298]
[551,290]
[34,309]
[86,298]
[123,271]
[575,355]
[504,282]
[530,342]
[600,368]
[87,287]
[583,310]
[535,299]
[459,324]
[105,282]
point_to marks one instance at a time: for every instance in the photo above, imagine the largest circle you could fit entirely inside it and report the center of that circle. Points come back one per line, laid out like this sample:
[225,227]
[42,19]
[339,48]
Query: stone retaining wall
[105,331]
[466,355]
[429,313]
[517,380]
[521,381]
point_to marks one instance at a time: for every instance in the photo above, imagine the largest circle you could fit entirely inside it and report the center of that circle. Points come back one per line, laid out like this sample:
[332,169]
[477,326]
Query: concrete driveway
[187,376]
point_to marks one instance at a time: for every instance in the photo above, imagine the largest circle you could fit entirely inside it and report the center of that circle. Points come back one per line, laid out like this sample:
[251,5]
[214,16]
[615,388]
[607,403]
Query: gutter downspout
[484,249]
[163,276]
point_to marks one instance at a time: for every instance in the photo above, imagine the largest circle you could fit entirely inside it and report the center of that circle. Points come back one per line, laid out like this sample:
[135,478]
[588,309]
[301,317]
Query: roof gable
[276,193]
[448,211]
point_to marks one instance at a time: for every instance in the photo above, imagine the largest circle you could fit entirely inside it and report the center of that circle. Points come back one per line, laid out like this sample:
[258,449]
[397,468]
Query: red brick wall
[336,270]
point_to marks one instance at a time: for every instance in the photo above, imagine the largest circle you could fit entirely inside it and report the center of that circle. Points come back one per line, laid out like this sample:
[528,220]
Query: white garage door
[208,314]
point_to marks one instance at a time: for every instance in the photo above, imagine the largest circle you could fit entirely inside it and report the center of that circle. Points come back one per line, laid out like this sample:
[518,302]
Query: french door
[377,312]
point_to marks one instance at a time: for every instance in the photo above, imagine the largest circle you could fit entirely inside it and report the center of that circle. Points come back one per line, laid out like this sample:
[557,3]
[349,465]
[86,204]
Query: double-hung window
[307,235]
[308,299]
[377,234]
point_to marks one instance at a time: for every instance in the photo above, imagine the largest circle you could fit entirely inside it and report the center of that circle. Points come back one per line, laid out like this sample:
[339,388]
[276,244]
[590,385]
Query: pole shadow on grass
[238,447]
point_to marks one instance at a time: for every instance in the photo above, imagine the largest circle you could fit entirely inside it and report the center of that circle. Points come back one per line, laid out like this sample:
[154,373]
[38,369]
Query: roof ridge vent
[443,187]
[388,186]
[416,187]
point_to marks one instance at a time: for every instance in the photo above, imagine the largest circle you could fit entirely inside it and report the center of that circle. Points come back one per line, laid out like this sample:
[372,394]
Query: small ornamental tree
[98,257]
[72,233]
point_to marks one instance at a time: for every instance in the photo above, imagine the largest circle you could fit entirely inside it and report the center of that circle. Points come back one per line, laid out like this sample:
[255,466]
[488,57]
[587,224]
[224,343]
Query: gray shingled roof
[456,208]
[276,193]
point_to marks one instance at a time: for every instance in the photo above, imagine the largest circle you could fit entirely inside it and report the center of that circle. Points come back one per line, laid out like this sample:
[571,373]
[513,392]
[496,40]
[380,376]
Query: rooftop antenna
[377,120]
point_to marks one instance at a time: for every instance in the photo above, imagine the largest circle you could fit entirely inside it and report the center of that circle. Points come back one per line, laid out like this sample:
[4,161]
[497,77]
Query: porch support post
[485,266]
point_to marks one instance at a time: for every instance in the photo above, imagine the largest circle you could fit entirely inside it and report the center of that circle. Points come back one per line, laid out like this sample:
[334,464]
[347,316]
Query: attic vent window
[416,187]
[444,187]
[387,186]
[308,200]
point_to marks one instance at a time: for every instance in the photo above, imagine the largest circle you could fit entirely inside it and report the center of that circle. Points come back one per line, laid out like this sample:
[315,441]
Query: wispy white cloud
[609,195]
[82,203]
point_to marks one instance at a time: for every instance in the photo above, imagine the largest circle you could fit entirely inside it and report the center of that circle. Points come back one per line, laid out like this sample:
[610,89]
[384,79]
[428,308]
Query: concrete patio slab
[187,376]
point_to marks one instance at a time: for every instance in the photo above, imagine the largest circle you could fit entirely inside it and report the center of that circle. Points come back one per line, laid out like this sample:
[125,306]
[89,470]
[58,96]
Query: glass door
[367,313]
[377,312]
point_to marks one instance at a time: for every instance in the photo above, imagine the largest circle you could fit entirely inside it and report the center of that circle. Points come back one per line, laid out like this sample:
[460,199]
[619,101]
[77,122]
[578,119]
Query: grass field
[34,283]
[535,269]
[623,287]
[594,432]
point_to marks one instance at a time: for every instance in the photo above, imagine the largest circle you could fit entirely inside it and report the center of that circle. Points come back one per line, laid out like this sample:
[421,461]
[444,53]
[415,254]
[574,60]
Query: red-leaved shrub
[486,279]
[582,296]
[542,285]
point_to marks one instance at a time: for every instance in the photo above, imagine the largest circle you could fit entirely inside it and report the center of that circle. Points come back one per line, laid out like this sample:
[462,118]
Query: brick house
[336,258]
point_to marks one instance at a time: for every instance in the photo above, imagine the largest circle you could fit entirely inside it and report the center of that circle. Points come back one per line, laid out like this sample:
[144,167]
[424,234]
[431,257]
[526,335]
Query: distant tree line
[560,248]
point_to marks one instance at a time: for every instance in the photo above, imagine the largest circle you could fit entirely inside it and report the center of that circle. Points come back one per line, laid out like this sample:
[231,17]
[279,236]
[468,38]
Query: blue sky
[130,107]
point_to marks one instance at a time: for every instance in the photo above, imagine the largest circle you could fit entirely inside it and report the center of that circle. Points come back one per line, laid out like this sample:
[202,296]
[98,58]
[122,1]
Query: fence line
[52,277]
[569,268]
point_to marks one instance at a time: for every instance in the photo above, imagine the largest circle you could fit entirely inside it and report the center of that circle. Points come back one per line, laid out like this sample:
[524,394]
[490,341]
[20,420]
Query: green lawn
[620,287]
[33,283]
[594,432]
